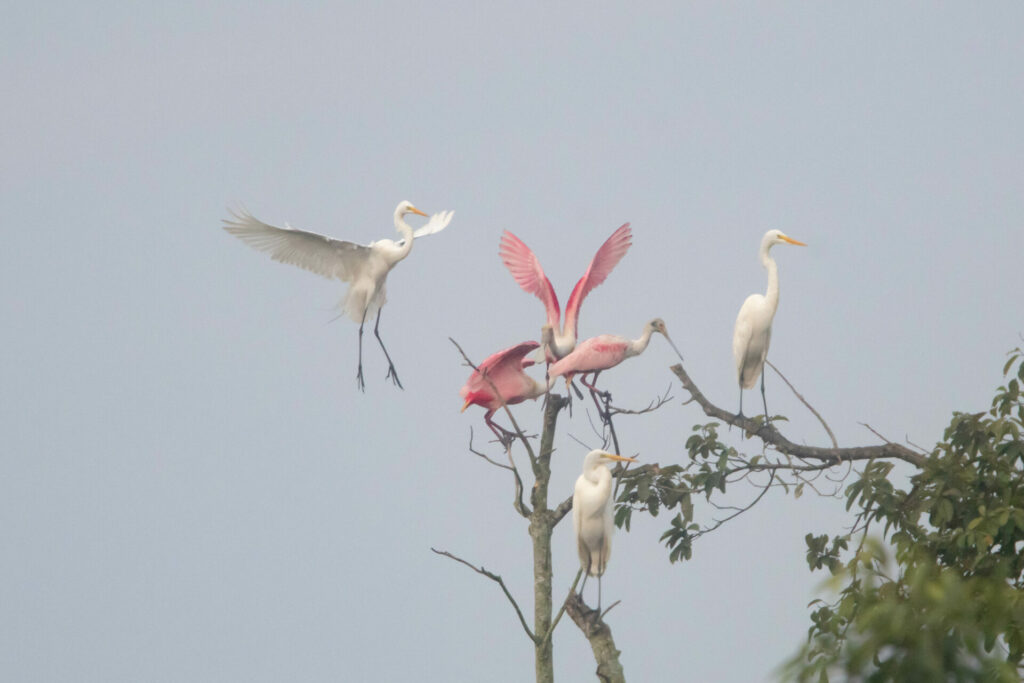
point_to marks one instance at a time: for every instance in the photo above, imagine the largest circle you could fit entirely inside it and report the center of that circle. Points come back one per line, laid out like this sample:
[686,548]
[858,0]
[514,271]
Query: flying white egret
[364,267]
[592,515]
[753,329]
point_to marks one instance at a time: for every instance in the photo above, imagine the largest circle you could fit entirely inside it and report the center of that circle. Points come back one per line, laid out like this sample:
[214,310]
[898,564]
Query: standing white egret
[753,329]
[592,515]
[365,267]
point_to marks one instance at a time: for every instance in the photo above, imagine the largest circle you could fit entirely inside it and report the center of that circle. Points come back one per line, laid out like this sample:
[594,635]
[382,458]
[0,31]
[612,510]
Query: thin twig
[872,430]
[609,609]
[483,455]
[572,589]
[923,451]
[651,407]
[754,502]
[497,579]
[824,424]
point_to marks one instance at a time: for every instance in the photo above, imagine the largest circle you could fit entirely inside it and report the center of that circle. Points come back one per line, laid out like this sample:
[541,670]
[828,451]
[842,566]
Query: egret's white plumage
[592,512]
[753,331]
[364,267]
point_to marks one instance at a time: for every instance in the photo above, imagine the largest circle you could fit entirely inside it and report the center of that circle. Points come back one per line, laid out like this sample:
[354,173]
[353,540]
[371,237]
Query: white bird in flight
[592,515]
[753,329]
[364,267]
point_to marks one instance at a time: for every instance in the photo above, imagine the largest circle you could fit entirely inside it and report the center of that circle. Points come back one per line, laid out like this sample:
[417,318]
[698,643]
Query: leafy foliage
[949,603]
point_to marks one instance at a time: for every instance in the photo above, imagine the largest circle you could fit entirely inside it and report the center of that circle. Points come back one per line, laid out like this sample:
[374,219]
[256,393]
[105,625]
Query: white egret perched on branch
[364,267]
[753,329]
[592,515]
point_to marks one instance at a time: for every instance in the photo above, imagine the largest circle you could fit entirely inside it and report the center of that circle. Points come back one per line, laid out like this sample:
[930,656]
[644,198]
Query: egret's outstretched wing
[436,223]
[526,270]
[606,258]
[322,255]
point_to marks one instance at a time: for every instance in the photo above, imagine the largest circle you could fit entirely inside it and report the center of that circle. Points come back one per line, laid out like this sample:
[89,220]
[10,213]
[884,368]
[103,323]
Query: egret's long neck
[637,346]
[403,227]
[772,293]
[599,474]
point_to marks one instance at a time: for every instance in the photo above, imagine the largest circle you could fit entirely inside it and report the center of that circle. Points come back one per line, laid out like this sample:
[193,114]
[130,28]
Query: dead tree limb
[771,436]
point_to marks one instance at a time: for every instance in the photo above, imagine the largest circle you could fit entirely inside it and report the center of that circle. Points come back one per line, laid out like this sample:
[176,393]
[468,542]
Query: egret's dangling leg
[359,374]
[763,398]
[599,594]
[392,373]
[586,573]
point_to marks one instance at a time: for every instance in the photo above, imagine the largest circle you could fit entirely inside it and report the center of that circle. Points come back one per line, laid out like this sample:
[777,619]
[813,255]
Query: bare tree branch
[771,436]
[484,456]
[609,669]
[572,589]
[517,502]
[740,511]
[824,424]
[497,579]
[650,408]
[561,511]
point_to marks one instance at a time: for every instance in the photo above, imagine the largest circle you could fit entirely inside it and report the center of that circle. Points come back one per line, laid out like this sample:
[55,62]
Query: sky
[192,488]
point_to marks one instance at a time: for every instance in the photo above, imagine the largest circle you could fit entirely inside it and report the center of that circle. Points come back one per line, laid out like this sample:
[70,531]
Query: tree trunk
[541,527]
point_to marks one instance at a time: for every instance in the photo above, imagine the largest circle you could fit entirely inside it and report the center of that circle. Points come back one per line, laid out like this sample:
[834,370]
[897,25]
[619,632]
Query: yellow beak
[612,456]
[791,241]
[465,405]
[420,213]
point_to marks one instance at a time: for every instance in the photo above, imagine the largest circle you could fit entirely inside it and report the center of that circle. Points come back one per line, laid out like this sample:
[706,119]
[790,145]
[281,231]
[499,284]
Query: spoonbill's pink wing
[597,353]
[526,270]
[606,258]
[496,365]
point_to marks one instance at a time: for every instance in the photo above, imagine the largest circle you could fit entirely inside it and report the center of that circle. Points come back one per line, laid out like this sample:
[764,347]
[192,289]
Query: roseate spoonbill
[526,270]
[365,267]
[504,369]
[592,515]
[605,351]
[753,329]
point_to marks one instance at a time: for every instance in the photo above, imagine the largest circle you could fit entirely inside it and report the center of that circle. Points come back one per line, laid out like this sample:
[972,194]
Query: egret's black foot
[360,384]
[393,376]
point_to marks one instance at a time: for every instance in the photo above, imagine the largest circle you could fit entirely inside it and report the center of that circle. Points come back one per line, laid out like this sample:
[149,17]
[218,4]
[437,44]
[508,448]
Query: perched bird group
[501,379]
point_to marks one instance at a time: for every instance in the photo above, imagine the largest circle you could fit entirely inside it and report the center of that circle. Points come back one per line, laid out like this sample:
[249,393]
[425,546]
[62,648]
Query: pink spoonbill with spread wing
[504,369]
[526,270]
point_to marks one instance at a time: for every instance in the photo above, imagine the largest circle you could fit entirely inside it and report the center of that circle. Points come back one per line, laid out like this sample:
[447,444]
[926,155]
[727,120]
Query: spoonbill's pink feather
[526,270]
[505,370]
[592,355]
[606,258]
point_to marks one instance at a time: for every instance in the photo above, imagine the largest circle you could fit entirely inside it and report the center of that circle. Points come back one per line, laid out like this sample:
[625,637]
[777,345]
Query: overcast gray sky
[192,489]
